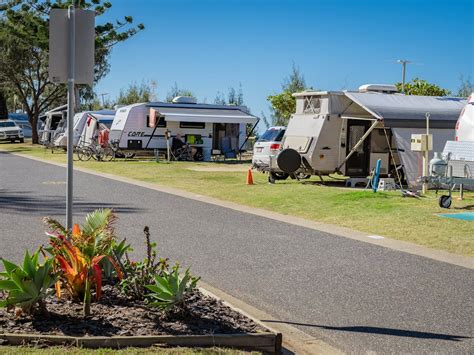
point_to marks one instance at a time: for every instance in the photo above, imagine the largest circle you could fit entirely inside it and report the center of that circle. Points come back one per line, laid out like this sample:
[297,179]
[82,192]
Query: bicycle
[95,151]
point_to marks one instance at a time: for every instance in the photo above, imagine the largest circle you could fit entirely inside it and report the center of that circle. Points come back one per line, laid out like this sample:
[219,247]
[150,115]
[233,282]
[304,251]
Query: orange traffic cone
[249,177]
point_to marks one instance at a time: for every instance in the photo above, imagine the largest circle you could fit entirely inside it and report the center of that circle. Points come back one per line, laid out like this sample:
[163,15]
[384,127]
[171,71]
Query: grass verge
[384,213]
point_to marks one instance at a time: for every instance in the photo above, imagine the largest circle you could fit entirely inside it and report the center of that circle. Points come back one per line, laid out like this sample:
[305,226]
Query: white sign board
[59,45]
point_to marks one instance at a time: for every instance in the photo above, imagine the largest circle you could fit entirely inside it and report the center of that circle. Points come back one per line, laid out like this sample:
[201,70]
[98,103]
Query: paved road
[356,296]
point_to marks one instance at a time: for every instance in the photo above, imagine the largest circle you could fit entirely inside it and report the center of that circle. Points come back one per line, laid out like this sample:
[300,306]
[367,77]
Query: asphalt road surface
[355,296]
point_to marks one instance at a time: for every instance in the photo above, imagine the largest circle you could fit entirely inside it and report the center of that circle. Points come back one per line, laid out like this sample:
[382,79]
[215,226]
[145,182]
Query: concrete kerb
[407,247]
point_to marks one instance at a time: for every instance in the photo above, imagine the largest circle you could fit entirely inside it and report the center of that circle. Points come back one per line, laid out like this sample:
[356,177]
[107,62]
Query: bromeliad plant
[78,254]
[170,290]
[27,285]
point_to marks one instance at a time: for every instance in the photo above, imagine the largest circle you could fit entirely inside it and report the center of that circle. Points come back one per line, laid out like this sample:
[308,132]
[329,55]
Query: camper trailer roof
[408,110]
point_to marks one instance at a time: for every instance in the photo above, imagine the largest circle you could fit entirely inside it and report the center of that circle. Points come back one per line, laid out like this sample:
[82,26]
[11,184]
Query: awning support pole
[248,135]
[152,134]
[361,140]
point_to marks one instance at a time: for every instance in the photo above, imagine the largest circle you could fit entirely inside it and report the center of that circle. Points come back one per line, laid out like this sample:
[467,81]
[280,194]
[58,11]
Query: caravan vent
[383,88]
[184,100]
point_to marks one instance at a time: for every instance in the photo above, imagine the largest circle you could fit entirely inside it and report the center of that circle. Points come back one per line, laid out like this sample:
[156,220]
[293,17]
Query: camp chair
[226,148]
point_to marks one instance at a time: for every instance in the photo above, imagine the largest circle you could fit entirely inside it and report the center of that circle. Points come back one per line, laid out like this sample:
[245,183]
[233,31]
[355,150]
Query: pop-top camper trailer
[81,120]
[203,126]
[347,132]
[50,122]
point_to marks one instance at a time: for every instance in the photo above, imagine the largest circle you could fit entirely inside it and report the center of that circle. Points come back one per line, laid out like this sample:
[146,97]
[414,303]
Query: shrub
[27,285]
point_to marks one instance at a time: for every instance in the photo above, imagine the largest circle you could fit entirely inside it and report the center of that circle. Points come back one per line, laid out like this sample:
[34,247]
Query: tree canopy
[175,91]
[466,88]
[145,92]
[24,39]
[234,97]
[283,105]
[422,88]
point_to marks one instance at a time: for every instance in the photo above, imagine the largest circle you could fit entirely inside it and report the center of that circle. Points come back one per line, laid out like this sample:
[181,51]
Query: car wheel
[12,140]
[22,140]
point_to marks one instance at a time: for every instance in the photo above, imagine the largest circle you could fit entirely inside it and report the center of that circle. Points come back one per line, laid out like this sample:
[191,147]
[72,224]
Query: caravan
[347,131]
[205,127]
[82,120]
[49,122]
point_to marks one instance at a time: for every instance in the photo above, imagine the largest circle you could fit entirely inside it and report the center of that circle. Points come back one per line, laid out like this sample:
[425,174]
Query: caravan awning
[409,111]
[206,115]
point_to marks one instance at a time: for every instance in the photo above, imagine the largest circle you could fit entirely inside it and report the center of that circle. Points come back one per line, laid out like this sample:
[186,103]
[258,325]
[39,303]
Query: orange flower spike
[76,230]
[57,286]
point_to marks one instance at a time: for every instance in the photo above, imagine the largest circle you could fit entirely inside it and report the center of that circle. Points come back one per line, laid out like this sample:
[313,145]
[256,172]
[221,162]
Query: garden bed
[118,321]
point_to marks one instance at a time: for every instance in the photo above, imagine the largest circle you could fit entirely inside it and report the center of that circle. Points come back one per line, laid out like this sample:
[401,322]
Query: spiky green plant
[27,285]
[170,290]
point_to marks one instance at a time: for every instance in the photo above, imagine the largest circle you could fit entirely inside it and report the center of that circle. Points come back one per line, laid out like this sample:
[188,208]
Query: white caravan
[347,132]
[81,121]
[203,126]
[49,122]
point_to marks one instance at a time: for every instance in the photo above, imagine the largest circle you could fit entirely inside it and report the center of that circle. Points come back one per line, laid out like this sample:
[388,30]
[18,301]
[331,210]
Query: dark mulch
[115,314]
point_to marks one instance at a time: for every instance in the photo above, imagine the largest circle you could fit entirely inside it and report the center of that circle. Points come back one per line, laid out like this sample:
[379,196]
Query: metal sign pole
[426,154]
[70,114]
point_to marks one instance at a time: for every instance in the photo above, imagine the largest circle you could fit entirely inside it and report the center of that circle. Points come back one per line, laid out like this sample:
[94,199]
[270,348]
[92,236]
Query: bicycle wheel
[84,154]
[108,154]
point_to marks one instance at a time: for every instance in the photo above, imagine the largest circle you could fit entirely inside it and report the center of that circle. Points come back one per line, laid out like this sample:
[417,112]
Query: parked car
[9,130]
[267,146]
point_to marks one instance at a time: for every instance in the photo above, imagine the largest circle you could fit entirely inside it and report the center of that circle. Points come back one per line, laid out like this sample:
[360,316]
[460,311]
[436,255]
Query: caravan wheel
[445,201]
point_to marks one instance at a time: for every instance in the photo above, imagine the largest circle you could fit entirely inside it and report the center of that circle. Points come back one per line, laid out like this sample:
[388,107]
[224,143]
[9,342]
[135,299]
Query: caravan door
[358,163]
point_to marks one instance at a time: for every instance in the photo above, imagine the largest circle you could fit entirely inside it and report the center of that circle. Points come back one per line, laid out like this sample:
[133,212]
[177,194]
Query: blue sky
[209,45]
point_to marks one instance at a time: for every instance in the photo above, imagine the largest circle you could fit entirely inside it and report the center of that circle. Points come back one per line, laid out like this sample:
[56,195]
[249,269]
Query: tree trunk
[3,106]
[33,119]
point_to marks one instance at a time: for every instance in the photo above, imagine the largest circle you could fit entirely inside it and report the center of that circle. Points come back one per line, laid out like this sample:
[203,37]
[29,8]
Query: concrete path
[355,296]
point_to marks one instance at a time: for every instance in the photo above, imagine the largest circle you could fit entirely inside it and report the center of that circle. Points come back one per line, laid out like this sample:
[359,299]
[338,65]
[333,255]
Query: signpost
[71,61]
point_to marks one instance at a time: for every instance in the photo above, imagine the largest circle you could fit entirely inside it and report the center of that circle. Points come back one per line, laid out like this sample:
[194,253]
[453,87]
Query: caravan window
[312,104]
[161,122]
[199,125]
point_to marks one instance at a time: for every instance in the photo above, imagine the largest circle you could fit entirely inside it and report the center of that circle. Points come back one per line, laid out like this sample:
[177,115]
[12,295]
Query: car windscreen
[7,124]
[272,135]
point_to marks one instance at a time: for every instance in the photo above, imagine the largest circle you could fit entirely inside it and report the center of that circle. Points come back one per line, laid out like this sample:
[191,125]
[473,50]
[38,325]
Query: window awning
[408,110]
[206,115]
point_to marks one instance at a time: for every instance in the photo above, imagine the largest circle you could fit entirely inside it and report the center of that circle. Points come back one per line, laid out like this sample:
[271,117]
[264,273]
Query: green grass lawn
[59,350]
[384,213]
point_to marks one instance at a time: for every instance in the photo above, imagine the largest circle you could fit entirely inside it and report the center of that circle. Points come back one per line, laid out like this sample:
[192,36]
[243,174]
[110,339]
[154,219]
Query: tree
[422,88]
[466,88]
[283,105]
[234,97]
[175,91]
[24,36]
[145,92]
